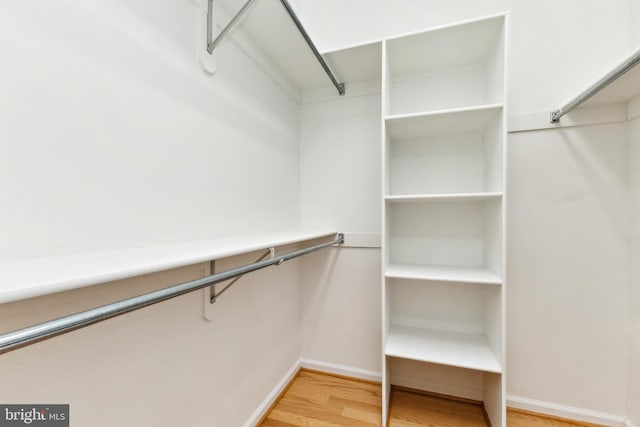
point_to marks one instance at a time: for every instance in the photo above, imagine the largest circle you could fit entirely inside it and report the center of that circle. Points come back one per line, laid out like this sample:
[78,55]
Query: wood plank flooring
[315,399]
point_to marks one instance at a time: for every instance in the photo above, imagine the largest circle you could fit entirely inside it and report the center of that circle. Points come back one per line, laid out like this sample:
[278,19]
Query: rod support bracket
[341,89]
[555,116]
[341,238]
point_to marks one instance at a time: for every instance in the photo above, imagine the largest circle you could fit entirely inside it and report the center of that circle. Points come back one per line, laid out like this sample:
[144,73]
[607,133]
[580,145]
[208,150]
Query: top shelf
[621,90]
[270,28]
[444,48]
[41,276]
[447,68]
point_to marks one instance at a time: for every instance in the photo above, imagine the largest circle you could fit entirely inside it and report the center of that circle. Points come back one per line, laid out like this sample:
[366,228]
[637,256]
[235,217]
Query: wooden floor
[314,399]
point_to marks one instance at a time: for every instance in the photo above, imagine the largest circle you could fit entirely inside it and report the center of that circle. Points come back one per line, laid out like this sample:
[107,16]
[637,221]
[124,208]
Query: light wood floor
[314,399]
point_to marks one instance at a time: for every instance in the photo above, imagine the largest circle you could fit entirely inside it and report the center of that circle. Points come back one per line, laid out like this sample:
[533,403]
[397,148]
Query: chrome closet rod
[312,46]
[211,44]
[628,64]
[29,335]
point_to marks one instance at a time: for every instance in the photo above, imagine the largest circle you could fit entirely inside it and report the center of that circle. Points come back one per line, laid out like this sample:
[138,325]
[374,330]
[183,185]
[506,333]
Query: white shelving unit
[443,138]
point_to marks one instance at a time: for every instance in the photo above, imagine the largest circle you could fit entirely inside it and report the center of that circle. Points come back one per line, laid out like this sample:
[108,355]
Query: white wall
[566,331]
[114,137]
[635,23]
[633,387]
[163,365]
[340,187]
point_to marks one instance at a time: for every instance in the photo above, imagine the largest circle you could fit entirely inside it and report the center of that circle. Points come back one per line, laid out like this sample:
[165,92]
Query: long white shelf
[441,347]
[41,276]
[462,197]
[442,122]
[623,89]
[442,274]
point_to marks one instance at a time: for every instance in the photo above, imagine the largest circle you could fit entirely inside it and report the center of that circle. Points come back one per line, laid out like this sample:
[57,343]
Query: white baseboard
[272,396]
[347,371]
[570,412]
[629,423]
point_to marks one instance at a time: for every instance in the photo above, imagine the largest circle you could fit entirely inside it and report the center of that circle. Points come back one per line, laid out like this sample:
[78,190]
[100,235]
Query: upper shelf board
[622,90]
[270,28]
[459,121]
[41,276]
[444,48]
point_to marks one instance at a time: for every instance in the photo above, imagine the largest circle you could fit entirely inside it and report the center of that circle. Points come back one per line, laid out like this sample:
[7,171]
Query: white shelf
[422,52]
[462,197]
[441,347]
[624,89]
[41,276]
[442,122]
[442,274]
[272,30]
[450,67]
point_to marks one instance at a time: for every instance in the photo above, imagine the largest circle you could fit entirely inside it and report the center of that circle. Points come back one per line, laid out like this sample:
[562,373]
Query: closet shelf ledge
[27,278]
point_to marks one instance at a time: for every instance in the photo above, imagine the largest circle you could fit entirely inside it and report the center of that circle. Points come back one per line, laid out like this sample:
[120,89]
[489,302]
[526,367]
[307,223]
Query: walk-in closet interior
[200,198]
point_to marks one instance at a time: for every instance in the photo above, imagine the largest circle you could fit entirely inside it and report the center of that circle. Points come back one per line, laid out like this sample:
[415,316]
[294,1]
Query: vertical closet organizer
[443,142]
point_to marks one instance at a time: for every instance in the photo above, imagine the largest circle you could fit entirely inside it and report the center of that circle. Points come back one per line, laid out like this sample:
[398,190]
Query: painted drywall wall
[164,365]
[114,137]
[635,23]
[340,175]
[339,303]
[633,385]
[568,264]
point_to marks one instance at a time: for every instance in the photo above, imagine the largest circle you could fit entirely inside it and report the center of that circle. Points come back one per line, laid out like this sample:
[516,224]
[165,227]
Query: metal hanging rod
[627,65]
[22,337]
[211,44]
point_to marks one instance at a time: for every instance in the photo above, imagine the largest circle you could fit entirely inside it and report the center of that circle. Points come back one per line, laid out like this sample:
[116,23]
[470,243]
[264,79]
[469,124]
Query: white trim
[584,116]
[348,371]
[361,240]
[273,395]
[569,412]
[629,423]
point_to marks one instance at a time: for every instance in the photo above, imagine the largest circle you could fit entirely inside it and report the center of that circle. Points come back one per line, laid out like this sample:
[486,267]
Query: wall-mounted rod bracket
[212,289]
[211,44]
